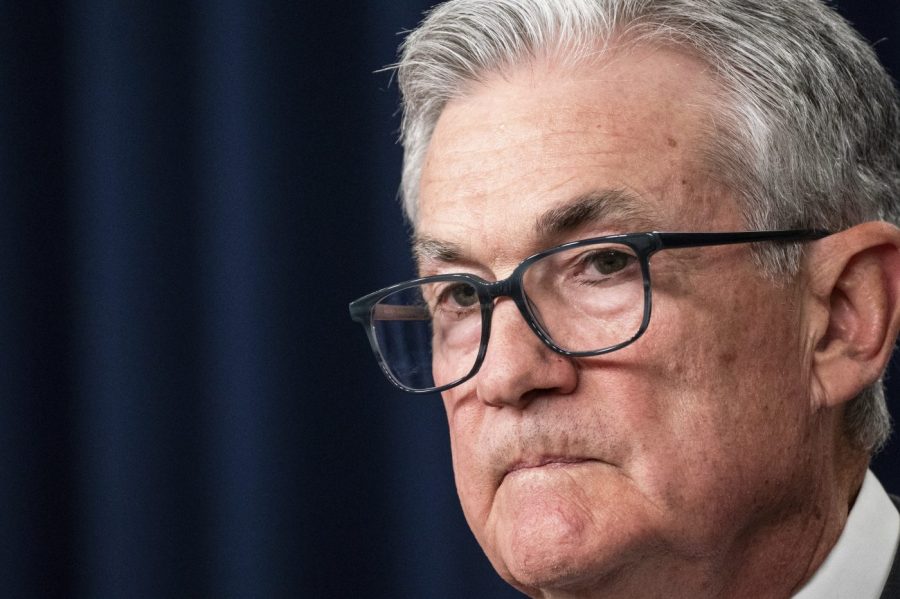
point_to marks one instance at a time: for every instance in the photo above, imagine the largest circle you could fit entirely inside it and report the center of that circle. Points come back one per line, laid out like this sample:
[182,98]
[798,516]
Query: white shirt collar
[860,562]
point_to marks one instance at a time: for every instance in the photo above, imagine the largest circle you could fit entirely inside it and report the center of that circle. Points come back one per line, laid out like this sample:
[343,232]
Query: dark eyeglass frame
[644,246]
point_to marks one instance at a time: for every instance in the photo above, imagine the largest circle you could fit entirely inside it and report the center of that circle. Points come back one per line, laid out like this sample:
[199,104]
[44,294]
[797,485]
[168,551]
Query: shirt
[859,563]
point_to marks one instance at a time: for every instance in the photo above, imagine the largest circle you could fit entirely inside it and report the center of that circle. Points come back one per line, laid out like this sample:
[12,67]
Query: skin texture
[704,460]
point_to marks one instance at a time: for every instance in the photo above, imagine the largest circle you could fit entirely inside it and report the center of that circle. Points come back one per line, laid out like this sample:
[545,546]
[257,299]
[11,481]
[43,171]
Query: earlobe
[854,280]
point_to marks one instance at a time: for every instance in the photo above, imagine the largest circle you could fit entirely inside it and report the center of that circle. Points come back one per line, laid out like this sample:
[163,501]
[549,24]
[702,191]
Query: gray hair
[806,127]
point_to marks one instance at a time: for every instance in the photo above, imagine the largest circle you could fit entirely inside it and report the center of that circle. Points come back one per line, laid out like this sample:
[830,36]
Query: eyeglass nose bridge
[507,287]
[512,287]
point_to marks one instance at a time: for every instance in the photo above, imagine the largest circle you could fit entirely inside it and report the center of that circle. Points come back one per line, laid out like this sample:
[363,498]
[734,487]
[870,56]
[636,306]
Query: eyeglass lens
[586,298]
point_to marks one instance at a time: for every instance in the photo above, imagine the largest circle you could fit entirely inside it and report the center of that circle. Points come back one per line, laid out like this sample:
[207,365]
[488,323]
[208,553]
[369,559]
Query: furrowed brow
[613,207]
[609,206]
[428,248]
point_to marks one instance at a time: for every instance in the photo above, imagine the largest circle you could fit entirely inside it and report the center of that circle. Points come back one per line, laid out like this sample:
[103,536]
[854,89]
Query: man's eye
[609,262]
[461,295]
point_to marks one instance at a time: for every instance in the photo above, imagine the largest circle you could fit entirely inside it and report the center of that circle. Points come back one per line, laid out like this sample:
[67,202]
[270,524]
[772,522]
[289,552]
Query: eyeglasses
[583,298]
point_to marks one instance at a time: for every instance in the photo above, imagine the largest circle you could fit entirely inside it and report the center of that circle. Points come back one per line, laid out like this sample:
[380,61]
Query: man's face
[667,454]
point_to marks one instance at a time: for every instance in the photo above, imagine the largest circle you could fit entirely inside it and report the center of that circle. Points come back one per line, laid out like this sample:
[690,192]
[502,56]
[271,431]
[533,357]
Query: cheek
[738,335]
[722,401]
[471,467]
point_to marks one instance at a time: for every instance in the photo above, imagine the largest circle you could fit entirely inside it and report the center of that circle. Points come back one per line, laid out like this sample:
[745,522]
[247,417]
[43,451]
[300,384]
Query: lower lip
[550,464]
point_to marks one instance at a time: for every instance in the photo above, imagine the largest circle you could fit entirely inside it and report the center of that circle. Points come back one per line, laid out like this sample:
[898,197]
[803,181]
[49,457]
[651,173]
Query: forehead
[529,143]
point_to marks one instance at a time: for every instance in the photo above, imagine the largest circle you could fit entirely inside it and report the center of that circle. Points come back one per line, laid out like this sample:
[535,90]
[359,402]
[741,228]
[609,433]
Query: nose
[518,367]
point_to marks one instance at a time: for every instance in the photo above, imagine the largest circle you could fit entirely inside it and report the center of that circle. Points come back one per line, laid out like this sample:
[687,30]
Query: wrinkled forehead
[543,150]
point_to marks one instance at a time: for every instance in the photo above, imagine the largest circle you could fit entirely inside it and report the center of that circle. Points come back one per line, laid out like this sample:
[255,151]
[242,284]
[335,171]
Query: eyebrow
[428,248]
[608,206]
[617,207]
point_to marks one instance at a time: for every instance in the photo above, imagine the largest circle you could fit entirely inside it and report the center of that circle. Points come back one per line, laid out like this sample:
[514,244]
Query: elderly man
[658,291]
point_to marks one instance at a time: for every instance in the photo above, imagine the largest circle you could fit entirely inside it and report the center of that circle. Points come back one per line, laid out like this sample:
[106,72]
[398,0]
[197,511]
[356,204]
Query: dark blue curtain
[191,193]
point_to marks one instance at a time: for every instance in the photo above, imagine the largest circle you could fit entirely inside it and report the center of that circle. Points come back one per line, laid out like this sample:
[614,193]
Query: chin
[560,571]
[558,545]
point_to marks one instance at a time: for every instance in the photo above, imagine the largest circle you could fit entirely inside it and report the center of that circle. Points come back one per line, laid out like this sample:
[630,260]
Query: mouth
[546,462]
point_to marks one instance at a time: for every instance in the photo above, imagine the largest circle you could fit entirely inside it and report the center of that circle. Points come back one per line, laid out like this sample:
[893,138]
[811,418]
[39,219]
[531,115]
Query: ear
[854,318]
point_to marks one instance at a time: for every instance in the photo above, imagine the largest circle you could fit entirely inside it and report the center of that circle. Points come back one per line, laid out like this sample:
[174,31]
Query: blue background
[191,193]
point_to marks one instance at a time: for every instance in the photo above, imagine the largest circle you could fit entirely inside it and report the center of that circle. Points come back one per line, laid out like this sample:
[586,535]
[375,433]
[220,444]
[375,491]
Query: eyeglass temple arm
[399,312]
[685,240]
